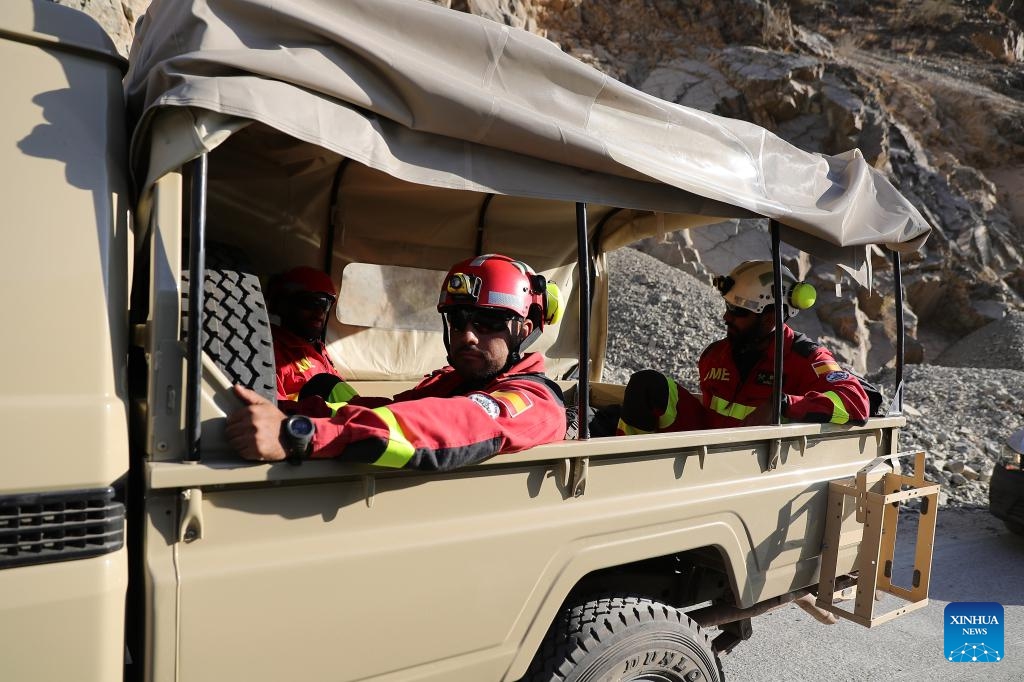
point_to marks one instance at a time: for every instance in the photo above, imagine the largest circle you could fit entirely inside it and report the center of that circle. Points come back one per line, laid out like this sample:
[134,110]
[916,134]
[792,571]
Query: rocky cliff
[931,91]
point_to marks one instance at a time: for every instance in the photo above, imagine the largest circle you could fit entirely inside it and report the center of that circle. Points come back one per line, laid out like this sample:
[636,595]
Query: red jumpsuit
[297,361]
[815,389]
[442,424]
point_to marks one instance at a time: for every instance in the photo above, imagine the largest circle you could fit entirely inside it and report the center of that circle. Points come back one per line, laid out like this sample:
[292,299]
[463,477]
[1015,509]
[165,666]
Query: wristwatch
[296,435]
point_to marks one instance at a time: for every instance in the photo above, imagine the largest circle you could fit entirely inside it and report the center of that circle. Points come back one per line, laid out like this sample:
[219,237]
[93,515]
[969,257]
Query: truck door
[63,281]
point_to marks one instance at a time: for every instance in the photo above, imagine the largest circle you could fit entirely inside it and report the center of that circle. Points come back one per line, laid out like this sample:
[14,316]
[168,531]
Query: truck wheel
[236,328]
[625,639]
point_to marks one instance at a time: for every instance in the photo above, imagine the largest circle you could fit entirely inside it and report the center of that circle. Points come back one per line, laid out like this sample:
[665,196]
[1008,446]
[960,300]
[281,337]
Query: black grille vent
[49,527]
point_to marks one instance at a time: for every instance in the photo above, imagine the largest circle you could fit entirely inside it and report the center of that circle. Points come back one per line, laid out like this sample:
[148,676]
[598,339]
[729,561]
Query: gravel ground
[998,345]
[661,317]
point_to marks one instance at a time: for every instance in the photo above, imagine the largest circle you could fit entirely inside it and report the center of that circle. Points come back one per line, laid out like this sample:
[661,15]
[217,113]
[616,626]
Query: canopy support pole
[779,322]
[897,280]
[197,280]
[583,272]
[481,221]
[332,222]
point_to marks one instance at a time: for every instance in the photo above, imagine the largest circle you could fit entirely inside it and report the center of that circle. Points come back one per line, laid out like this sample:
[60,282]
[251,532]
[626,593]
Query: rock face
[931,92]
[117,17]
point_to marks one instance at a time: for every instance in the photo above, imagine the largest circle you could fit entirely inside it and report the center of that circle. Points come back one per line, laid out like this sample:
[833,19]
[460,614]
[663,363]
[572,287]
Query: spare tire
[236,328]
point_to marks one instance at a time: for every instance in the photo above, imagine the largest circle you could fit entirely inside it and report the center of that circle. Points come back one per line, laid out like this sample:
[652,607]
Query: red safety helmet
[304,278]
[498,282]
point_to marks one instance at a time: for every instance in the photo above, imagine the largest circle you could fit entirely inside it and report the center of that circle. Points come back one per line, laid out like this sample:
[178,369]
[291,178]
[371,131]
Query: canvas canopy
[416,93]
[401,133]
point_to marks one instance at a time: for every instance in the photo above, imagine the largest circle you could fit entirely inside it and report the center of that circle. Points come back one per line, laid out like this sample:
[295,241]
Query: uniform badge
[826,366]
[833,377]
[485,401]
[514,402]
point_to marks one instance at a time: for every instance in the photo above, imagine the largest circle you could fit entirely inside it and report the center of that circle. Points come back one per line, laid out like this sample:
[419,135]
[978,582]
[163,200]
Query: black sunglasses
[482,319]
[313,301]
[737,311]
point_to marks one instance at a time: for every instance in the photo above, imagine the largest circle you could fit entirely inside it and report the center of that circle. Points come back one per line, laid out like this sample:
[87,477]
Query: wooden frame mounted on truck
[381,141]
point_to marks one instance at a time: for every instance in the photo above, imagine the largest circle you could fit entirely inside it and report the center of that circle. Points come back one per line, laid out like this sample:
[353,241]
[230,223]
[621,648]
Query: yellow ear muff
[803,296]
[553,306]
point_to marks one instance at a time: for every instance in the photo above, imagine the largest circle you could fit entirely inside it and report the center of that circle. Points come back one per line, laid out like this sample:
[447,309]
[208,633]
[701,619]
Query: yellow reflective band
[624,429]
[303,365]
[839,413]
[341,393]
[727,409]
[399,450]
[334,407]
[672,408]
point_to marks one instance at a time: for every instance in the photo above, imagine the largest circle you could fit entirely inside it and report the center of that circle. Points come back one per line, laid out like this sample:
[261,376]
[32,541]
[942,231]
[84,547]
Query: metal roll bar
[198,170]
[773,226]
[583,261]
[897,281]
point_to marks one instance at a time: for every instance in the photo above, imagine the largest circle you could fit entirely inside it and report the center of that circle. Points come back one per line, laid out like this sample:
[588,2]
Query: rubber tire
[236,328]
[624,639]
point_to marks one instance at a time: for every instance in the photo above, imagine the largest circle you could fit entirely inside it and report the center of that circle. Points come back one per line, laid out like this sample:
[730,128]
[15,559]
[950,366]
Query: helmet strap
[515,351]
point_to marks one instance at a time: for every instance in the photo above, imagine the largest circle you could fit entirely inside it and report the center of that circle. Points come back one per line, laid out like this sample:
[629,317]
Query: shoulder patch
[489,404]
[514,402]
[803,345]
[833,377]
[538,378]
[825,367]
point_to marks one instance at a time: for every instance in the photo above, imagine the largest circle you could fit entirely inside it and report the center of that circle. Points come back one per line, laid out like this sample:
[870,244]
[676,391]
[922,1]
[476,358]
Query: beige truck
[383,140]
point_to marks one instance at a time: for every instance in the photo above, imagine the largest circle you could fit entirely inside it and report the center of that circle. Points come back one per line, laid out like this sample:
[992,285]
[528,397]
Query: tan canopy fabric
[401,134]
[442,99]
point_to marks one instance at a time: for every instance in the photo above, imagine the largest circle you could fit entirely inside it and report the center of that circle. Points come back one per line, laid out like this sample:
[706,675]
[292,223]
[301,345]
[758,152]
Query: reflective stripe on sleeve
[341,393]
[672,408]
[334,407]
[727,409]
[839,413]
[340,396]
[399,450]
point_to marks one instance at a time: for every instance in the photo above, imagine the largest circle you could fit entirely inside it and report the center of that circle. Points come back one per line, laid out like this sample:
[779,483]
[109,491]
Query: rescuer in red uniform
[490,399]
[736,373]
[301,299]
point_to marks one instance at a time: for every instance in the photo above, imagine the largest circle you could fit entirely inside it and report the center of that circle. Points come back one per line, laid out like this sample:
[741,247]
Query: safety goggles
[483,320]
[737,311]
[312,301]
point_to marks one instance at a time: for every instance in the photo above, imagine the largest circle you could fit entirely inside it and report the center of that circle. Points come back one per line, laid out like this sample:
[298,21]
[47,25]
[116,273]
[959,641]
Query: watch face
[300,426]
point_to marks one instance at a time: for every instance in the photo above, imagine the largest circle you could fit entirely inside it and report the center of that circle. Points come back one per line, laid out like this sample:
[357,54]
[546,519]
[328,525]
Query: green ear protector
[802,296]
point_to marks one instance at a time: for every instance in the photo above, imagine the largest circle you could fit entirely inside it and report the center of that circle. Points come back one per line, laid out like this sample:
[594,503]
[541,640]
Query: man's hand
[254,431]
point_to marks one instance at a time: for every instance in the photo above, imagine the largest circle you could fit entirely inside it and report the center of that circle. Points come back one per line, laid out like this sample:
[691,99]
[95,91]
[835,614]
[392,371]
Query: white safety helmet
[750,286]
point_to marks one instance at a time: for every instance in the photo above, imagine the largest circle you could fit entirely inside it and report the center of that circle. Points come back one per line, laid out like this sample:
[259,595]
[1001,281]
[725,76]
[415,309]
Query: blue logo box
[973,632]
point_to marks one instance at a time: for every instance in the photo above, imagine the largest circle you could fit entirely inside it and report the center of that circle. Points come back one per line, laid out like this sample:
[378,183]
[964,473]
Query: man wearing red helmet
[490,399]
[301,298]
